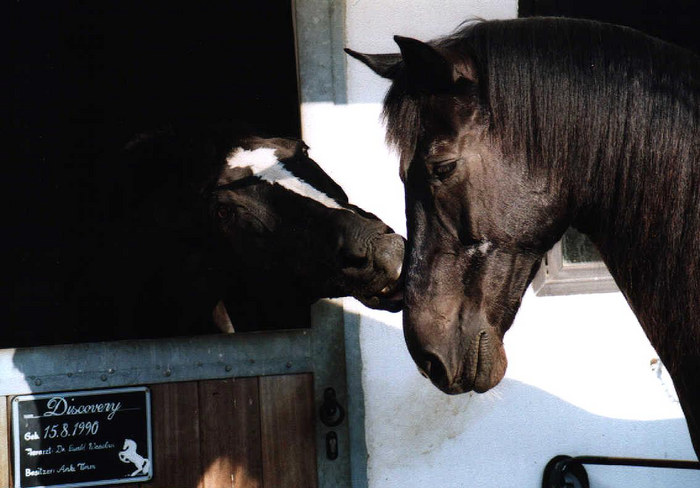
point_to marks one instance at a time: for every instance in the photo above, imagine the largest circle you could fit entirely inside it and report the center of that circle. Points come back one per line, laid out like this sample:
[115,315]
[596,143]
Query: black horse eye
[445,169]
[223,212]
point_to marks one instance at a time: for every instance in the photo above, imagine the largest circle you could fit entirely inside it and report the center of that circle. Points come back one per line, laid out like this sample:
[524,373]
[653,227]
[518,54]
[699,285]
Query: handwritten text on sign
[82,438]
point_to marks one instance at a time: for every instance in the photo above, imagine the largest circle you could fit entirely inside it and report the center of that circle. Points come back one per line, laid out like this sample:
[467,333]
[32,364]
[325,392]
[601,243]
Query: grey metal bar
[328,345]
[320,36]
[111,364]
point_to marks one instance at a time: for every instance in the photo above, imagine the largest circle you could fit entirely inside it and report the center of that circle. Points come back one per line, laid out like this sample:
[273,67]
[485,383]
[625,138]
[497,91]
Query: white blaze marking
[485,247]
[481,249]
[264,164]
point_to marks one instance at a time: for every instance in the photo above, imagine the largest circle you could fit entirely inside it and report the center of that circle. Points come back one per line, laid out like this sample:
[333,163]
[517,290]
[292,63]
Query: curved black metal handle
[568,472]
[331,412]
[564,472]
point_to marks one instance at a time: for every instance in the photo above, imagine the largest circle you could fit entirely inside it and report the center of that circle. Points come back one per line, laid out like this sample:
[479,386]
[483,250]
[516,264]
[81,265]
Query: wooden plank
[287,422]
[5,409]
[176,437]
[230,432]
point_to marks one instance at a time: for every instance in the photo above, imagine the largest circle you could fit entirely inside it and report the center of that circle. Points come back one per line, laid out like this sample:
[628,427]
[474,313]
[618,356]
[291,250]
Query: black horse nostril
[434,369]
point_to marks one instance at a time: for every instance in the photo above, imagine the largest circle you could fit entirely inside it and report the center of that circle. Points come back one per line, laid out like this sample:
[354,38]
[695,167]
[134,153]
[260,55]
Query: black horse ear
[426,68]
[385,65]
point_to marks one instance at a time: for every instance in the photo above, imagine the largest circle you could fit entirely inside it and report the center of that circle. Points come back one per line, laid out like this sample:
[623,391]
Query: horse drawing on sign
[511,131]
[129,455]
[196,225]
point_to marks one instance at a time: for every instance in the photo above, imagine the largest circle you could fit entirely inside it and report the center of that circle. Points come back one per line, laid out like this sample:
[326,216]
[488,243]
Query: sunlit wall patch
[264,164]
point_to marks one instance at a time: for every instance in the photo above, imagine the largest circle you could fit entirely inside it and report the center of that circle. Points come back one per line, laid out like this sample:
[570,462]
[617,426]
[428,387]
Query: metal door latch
[332,445]
[331,412]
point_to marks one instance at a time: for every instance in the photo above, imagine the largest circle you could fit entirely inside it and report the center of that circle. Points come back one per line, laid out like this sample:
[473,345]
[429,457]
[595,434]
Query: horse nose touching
[375,260]
[388,256]
[387,264]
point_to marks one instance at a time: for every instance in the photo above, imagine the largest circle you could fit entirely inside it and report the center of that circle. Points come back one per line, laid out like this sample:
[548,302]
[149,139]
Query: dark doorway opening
[84,78]
[672,20]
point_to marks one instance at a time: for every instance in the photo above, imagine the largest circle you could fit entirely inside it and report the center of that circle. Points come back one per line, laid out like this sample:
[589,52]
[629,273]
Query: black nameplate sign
[83,438]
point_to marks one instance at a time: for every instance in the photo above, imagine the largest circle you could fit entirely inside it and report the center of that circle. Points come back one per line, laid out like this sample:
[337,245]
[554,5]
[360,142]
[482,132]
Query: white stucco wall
[579,379]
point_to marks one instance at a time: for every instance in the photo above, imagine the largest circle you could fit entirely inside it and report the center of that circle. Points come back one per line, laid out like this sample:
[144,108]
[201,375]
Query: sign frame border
[16,440]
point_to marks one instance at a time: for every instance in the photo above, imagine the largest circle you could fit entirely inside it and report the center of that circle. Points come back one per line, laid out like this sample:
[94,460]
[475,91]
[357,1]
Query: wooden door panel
[253,432]
[176,435]
[230,433]
[287,422]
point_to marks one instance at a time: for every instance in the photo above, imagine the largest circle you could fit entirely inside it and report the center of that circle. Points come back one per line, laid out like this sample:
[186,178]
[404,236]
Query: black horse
[192,227]
[511,131]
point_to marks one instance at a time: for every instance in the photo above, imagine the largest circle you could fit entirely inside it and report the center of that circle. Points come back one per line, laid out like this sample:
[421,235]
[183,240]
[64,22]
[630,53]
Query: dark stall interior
[83,79]
[672,20]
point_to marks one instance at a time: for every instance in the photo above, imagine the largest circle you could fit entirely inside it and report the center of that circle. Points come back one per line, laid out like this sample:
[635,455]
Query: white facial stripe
[485,247]
[482,249]
[264,164]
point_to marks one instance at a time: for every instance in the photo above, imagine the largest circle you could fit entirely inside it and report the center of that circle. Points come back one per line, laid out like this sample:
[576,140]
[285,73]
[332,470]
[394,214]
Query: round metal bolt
[37,382]
[103,377]
[110,370]
[288,365]
[167,372]
[228,368]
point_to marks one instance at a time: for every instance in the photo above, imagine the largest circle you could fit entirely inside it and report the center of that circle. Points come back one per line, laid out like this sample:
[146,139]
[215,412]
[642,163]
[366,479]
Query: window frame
[557,277]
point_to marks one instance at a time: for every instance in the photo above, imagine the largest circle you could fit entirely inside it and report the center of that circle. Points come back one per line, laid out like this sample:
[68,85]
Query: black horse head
[476,227]
[509,132]
[194,227]
[213,215]
[288,229]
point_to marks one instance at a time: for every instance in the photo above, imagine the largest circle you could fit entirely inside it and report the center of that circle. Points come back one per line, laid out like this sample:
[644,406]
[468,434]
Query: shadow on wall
[417,435]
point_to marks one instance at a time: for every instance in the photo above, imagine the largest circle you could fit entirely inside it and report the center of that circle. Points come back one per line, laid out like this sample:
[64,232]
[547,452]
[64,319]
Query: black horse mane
[609,112]
[550,74]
